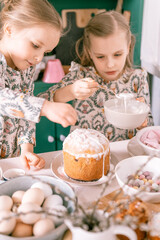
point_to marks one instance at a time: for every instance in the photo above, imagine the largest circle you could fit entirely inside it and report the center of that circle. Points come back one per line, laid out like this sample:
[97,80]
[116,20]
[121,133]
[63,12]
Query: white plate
[134,149]
[58,171]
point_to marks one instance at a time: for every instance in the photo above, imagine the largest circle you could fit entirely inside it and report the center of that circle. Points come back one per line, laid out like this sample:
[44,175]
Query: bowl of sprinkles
[140,176]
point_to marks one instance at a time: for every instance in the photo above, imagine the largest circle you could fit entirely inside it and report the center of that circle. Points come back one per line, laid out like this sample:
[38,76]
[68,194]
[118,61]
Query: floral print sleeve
[18,101]
[26,132]
[19,109]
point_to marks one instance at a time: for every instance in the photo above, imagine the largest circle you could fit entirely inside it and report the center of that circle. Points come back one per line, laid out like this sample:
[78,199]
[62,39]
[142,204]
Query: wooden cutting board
[104,203]
[74,21]
[82,16]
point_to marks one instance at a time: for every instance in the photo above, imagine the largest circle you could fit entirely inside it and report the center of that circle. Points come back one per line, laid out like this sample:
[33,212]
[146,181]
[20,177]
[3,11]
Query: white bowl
[135,115]
[25,182]
[147,149]
[129,166]
[1,173]
[13,173]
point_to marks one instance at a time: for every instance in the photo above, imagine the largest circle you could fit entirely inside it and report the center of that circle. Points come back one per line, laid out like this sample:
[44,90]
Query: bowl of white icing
[126,112]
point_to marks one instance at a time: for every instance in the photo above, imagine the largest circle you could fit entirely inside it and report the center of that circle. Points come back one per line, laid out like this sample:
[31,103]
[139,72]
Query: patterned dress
[91,111]
[19,109]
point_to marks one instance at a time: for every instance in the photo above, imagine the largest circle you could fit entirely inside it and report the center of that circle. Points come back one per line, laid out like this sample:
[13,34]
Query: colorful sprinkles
[144,180]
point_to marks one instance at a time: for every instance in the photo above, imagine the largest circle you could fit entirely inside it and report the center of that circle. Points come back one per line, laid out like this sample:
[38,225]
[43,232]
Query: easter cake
[86,155]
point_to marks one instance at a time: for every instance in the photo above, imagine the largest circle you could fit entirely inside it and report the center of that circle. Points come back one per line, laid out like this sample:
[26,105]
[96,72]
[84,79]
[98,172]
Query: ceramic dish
[147,149]
[129,166]
[13,173]
[58,171]
[128,116]
[1,176]
[25,182]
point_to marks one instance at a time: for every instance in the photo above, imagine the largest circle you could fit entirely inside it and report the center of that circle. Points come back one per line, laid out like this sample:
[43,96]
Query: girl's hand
[31,159]
[28,158]
[84,88]
[144,124]
[62,113]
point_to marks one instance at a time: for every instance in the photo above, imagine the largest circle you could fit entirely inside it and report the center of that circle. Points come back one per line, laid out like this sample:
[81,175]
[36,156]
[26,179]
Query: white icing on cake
[83,139]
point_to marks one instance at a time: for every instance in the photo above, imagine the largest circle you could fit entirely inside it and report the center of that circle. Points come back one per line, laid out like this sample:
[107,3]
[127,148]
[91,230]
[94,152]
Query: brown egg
[17,196]
[43,226]
[22,230]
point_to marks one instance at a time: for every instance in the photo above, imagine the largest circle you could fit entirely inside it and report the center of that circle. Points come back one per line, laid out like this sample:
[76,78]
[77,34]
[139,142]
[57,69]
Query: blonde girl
[29,28]
[106,68]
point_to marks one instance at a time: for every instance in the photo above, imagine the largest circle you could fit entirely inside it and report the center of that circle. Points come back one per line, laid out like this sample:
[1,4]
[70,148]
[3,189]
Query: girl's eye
[118,54]
[100,57]
[35,46]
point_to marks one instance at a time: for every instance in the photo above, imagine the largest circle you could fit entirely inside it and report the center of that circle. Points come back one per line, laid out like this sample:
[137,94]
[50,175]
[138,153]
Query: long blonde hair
[26,13]
[102,25]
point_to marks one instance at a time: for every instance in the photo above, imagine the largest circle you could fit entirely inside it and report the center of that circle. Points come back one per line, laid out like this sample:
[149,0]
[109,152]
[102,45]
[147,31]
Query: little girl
[106,56]
[29,28]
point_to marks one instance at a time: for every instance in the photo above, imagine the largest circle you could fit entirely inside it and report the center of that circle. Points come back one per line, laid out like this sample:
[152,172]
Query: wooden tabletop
[104,202]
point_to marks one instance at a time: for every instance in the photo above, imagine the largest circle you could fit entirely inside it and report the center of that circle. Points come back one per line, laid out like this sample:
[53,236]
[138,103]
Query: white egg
[43,226]
[29,217]
[57,214]
[6,226]
[17,196]
[52,201]
[33,195]
[6,202]
[46,188]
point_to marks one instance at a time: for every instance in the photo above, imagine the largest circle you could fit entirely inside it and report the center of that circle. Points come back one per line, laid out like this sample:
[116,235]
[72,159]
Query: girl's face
[109,54]
[26,47]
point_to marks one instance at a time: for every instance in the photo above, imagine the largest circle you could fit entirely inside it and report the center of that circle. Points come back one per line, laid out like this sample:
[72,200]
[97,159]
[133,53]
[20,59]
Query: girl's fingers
[41,163]
[25,162]
[86,93]
[35,160]
[74,115]
[69,119]
[32,158]
[65,122]
[90,85]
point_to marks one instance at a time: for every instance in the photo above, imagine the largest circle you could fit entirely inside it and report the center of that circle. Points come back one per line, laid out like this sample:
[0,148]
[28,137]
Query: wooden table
[86,194]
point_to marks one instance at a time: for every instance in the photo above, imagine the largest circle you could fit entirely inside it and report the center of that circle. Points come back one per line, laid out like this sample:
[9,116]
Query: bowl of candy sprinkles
[140,176]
